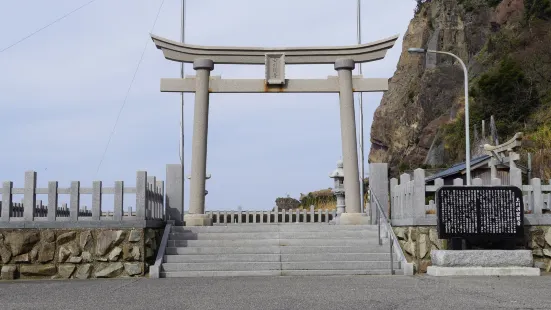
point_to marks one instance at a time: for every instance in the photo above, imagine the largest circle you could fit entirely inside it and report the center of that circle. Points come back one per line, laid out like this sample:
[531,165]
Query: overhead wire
[48,25]
[129,89]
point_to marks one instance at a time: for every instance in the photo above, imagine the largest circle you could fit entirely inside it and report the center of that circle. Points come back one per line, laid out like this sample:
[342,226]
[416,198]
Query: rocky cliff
[419,121]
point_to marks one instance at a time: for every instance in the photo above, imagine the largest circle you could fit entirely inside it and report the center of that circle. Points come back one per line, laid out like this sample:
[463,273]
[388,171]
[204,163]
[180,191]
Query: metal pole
[467,134]
[379,226]
[391,241]
[362,172]
[183,32]
[529,166]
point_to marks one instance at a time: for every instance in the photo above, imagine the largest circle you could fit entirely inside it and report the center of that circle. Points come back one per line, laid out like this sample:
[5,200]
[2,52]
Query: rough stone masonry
[76,253]
[418,242]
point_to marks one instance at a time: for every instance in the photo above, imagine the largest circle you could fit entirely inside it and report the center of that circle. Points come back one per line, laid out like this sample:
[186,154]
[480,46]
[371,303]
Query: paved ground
[312,293]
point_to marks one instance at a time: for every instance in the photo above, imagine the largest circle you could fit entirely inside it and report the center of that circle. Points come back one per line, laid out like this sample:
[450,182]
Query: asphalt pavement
[312,293]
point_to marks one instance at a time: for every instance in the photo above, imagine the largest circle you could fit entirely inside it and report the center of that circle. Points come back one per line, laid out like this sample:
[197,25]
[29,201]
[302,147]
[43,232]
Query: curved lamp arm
[467,134]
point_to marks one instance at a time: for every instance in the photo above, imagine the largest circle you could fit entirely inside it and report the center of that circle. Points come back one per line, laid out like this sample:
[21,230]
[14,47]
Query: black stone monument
[484,216]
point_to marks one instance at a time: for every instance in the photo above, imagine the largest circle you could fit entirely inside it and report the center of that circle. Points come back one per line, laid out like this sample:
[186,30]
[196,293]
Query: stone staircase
[276,250]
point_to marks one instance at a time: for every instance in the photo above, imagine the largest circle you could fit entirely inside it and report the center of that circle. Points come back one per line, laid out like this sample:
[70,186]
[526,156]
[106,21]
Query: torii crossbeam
[344,58]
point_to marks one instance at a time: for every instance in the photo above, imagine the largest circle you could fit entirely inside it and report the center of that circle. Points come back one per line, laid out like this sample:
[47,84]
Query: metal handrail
[392,236]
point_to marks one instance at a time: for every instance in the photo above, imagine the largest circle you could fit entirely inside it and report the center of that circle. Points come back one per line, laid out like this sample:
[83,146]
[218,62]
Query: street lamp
[361,107]
[467,137]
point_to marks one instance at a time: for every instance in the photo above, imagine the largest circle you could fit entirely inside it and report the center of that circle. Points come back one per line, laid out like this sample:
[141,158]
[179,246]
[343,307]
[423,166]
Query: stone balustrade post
[29,200]
[378,182]
[419,209]
[174,194]
[394,206]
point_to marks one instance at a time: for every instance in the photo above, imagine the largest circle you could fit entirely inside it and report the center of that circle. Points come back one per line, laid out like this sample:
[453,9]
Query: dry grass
[322,205]
[319,194]
[327,205]
[322,200]
[541,159]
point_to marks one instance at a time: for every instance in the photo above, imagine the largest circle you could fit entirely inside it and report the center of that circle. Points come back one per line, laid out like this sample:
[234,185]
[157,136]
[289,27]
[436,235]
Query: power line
[48,25]
[129,88]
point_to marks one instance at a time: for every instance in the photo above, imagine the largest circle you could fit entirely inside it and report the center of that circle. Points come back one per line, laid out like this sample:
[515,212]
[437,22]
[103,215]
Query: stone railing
[409,207]
[272,217]
[149,208]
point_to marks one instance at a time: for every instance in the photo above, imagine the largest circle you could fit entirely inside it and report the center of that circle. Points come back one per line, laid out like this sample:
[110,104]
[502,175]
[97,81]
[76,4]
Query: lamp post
[183,39]
[467,135]
[360,102]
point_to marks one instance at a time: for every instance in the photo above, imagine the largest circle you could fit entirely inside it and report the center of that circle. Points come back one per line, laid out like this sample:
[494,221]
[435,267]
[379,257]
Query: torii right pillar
[353,215]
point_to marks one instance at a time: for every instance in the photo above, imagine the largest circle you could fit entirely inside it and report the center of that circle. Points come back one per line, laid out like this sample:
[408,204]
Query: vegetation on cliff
[514,86]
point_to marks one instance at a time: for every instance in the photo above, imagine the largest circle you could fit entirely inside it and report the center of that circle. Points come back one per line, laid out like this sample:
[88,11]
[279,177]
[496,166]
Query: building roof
[458,168]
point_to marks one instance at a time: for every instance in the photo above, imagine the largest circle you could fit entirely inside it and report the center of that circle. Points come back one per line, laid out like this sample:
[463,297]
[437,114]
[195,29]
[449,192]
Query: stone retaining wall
[538,239]
[418,241]
[77,253]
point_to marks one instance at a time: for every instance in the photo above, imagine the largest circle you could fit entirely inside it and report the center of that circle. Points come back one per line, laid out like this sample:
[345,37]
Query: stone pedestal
[197,220]
[174,194]
[482,263]
[353,219]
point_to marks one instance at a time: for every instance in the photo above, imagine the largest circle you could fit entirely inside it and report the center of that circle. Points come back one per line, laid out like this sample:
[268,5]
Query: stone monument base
[197,220]
[482,263]
[353,219]
[437,271]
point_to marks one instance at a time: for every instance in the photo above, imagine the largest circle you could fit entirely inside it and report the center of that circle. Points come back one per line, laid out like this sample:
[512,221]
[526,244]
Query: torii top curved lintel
[510,145]
[187,53]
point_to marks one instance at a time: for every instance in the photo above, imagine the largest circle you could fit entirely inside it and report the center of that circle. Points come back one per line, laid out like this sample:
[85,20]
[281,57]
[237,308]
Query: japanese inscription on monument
[479,211]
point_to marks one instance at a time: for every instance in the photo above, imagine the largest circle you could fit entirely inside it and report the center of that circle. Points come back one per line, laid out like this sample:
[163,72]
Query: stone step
[209,258]
[371,272]
[221,250]
[241,273]
[250,266]
[338,265]
[221,266]
[272,228]
[274,242]
[338,257]
[184,274]
[371,248]
[277,250]
[277,257]
[274,235]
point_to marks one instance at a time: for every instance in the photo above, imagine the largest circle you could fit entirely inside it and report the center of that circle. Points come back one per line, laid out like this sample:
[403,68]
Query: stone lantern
[338,176]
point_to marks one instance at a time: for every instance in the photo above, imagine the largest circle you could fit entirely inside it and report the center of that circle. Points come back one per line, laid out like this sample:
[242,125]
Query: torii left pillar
[196,215]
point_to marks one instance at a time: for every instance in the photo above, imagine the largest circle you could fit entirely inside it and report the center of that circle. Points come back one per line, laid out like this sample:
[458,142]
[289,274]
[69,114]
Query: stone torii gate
[504,154]
[274,59]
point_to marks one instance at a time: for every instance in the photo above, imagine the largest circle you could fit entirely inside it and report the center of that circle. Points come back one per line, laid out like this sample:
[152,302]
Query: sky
[62,89]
